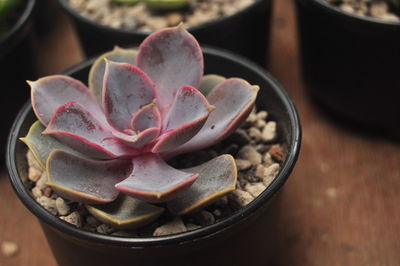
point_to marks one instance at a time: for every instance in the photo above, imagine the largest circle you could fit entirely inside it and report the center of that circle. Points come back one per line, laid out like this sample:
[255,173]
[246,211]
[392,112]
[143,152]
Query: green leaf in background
[7,7]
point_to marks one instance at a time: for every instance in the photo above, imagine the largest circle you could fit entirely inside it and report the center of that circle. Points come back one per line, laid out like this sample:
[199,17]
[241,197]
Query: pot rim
[334,10]
[21,21]
[74,13]
[242,214]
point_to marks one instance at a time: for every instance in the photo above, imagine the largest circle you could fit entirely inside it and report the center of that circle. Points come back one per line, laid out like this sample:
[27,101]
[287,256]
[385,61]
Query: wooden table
[341,205]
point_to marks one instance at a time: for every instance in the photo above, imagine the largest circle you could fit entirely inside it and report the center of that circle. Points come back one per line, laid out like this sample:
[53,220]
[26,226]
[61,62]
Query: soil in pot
[258,156]
[382,9]
[142,17]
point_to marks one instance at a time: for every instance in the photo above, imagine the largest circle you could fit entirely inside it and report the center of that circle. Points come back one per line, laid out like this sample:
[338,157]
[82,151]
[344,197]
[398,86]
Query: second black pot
[351,65]
[245,238]
[246,32]
[16,66]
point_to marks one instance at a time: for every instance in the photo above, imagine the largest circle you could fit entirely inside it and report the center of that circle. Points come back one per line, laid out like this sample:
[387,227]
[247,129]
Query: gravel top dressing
[258,154]
[382,9]
[142,18]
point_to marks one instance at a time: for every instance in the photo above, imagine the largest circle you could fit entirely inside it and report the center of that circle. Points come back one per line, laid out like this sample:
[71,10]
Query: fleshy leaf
[75,127]
[217,177]
[172,58]
[187,115]
[147,117]
[139,140]
[209,82]
[126,90]
[153,180]
[51,92]
[42,145]
[96,74]
[233,98]
[84,180]
[125,212]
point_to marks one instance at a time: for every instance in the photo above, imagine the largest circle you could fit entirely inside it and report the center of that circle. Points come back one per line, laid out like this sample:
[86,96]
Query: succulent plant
[141,108]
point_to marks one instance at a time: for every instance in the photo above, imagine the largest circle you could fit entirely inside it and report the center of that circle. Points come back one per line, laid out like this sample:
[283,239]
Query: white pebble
[9,248]
[173,227]
[241,197]
[74,218]
[48,203]
[255,189]
[62,207]
[242,164]
[269,132]
[250,153]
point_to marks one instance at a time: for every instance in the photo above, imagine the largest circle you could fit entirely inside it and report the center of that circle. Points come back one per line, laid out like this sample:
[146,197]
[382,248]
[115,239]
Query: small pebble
[267,159]
[41,183]
[270,173]
[269,132]
[34,174]
[62,207]
[47,191]
[74,218]
[255,133]
[276,153]
[262,115]
[249,153]
[255,189]
[260,123]
[204,218]
[243,165]
[9,249]
[125,233]
[48,203]
[36,192]
[241,197]
[173,227]
[105,229]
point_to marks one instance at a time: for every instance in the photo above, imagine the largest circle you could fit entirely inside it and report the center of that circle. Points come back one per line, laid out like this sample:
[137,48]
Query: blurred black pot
[16,66]
[351,65]
[245,32]
[245,238]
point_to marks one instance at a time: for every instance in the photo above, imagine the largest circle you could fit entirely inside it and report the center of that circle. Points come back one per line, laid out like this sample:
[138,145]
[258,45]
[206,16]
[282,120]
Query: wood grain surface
[341,206]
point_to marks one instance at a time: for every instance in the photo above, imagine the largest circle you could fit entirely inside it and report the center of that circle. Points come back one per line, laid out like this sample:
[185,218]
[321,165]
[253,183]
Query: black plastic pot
[245,32]
[350,64]
[16,66]
[245,238]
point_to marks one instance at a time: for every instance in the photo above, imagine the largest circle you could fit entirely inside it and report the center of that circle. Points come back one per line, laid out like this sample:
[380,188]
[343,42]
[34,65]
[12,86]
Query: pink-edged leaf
[84,180]
[126,212]
[172,58]
[147,117]
[76,127]
[153,180]
[217,177]
[139,140]
[96,74]
[51,92]
[187,115]
[233,98]
[126,90]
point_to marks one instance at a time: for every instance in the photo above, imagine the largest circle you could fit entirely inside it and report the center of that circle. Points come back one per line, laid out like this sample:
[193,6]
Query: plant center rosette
[105,145]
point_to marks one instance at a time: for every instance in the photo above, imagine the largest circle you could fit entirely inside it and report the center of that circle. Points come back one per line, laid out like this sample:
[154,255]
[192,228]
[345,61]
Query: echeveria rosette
[140,108]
